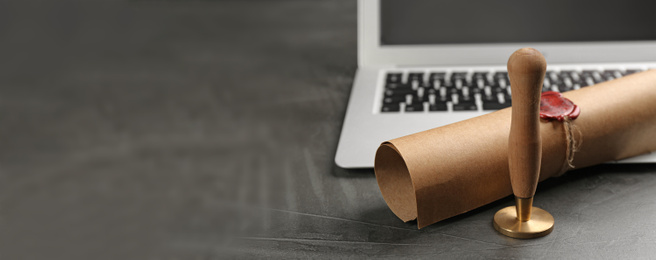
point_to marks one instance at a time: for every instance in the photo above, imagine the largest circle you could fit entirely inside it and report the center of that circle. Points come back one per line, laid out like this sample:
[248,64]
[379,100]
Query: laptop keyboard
[474,91]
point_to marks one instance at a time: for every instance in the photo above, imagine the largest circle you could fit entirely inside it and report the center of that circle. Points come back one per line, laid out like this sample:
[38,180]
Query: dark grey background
[207,130]
[499,21]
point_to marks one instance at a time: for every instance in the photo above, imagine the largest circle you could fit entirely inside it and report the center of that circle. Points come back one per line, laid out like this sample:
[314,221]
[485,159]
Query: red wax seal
[554,106]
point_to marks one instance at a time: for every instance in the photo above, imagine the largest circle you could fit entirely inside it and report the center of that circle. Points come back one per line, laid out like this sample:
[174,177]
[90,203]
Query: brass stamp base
[540,224]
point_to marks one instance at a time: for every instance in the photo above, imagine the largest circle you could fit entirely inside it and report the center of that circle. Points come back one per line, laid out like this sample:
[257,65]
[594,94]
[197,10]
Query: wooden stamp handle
[526,68]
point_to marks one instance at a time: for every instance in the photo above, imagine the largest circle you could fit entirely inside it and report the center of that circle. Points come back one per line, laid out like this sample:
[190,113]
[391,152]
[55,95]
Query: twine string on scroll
[553,106]
[572,144]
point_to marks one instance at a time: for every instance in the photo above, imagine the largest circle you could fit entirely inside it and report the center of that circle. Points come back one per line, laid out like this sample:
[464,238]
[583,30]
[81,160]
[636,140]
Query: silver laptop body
[401,41]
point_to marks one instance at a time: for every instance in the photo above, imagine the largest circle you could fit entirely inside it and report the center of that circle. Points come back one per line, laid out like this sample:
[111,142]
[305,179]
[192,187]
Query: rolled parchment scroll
[442,172]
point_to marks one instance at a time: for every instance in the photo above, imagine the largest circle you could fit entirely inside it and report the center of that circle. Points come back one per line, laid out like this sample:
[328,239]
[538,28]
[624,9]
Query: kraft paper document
[442,172]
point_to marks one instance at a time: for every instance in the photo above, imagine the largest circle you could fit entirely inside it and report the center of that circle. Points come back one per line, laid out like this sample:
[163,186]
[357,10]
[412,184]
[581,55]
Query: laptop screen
[514,21]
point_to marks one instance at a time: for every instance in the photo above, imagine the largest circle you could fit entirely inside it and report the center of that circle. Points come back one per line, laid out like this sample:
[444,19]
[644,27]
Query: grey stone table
[207,130]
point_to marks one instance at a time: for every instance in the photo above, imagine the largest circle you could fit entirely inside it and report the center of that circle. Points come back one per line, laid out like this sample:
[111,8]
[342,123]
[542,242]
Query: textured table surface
[207,130]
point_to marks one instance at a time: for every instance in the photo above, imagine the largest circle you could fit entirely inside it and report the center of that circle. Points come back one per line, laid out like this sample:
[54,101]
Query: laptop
[428,63]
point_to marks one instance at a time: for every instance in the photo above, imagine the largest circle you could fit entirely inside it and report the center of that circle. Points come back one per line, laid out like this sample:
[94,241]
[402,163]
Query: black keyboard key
[615,73]
[500,80]
[597,77]
[575,76]
[421,95]
[443,98]
[431,92]
[393,100]
[434,102]
[465,106]
[451,92]
[501,75]
[586,76]
[562,88]
[463,100]
[479,79]
[427,85]
[497,89]
[415,76]
[607,75]
[587,73]
[411,99]
[552,76]
[437,76]
[631,71]
[440,106]
[500,99]
[436,84]
[489,99]
[391,107]
[393,85]
[459,83]
[394,77]
[459,75]
[466,99]
[475,91]
[480,75]
[566,74]
[459,79]
[398,92]
[415,107]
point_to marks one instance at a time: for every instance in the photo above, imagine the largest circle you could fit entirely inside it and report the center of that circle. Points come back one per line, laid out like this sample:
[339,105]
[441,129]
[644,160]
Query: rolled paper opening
[395,183]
